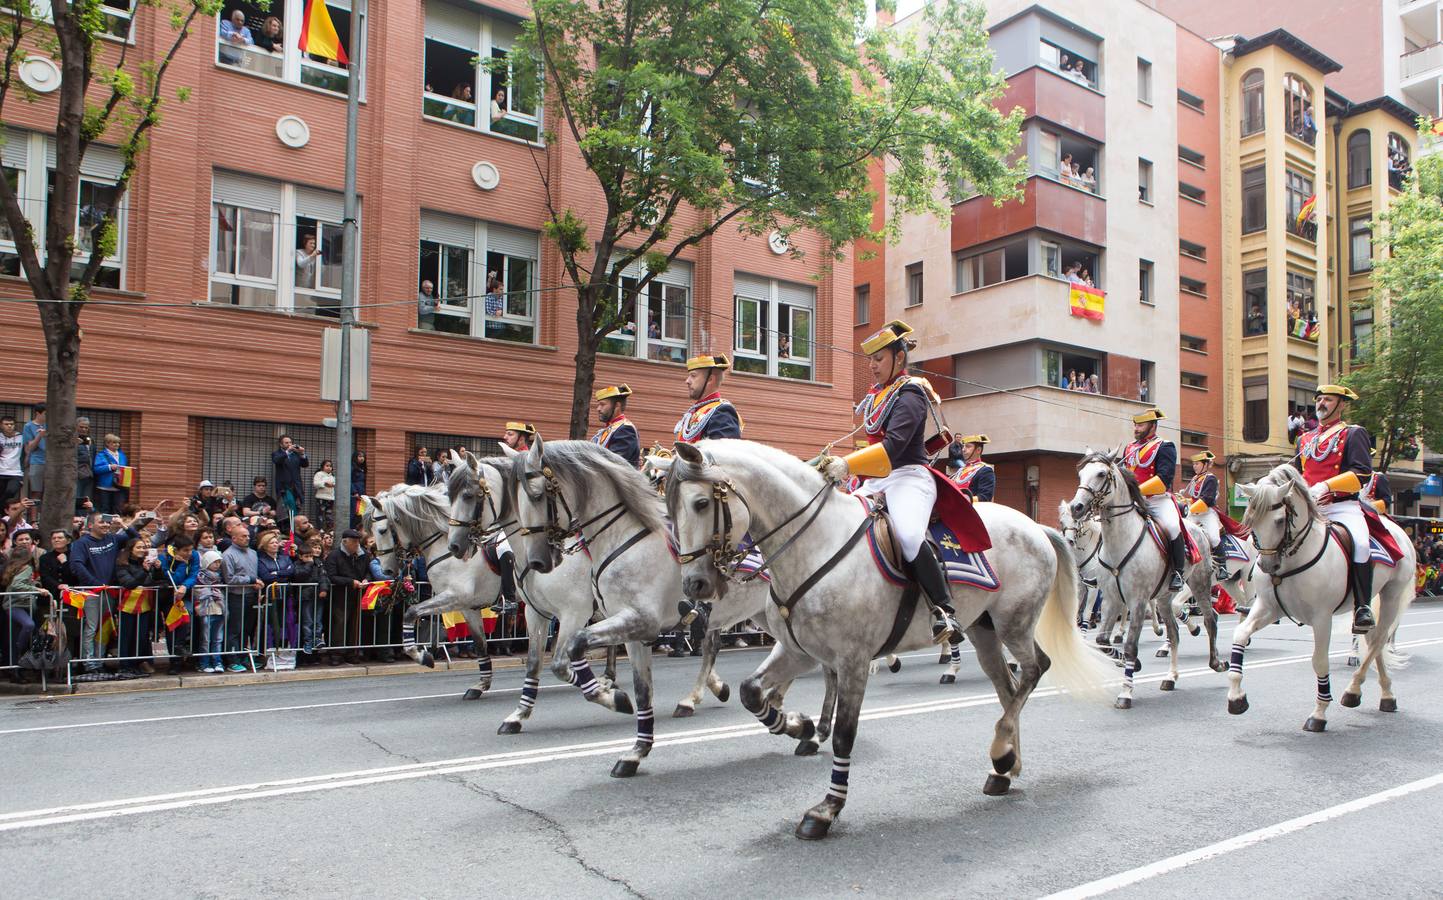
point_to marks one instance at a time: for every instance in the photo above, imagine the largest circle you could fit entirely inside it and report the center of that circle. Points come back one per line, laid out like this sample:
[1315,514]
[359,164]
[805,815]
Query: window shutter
[244,190]
[752,286]
[511,241]
[16,146]
[322,205]
[453,25]
[794,294]
[99,162]
[453,230]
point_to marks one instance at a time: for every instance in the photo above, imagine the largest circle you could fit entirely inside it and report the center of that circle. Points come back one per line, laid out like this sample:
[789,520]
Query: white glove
[834,469]
[1318,490]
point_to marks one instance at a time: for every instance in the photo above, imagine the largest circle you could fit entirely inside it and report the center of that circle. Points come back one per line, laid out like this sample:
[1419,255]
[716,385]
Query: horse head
[537,507]
[1280,509]
[708,523]
[477,494]
[1097,479]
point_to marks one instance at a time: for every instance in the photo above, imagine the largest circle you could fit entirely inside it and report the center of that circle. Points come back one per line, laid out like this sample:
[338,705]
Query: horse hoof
[509,727]
[428,660]
[809,731]
[1388,704]
[1123,703]
[894,666]
[1194,630]
[683,712]
[806,748]
[1239,706]
[623,703]
[724,694]
[1352,701]
[1117,639]
[813,828]
[996,785]
[1162,653]
[1014,668]
[1315,725]
[949,678]
[1167,685]
[625,768]
[472,694]
[1353,661]
[1004,763]
[1219,666]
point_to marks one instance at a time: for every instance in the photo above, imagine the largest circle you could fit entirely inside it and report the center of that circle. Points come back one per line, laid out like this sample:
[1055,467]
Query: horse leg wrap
[774,720]
[408,634]
[1235,663]
[1325,690]
[645,726]
[1129,668]
[529,688]
[956,653]
[582,677]
[841,768]
[484,667]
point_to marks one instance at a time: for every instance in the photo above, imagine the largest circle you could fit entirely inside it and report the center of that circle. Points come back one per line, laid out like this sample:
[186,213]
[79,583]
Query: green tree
[1398,377]
[756,114]
[110,93]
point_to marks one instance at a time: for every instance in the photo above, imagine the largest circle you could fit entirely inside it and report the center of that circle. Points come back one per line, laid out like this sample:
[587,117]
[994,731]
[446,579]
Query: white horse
[1306,572]
[1084,536]
[1134,570]
[834,607]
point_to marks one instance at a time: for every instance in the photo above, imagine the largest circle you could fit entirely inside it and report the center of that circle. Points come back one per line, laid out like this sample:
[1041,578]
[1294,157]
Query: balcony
[1048,95]
[1047,204]
[1045,419]
[1423,63]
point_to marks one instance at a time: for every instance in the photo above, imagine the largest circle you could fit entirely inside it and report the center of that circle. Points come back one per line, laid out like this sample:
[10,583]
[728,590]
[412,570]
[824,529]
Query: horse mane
[462,478]
[416,508]
[1275,485]
[574,463]
[1113,461]
[681,470]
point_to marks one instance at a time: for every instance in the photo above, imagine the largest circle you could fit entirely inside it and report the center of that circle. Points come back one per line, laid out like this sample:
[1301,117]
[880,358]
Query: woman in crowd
[110,496]
[418,470]
[22,600]
[135,570]
[358,482]
[323,487]
[274,569]
[443,466]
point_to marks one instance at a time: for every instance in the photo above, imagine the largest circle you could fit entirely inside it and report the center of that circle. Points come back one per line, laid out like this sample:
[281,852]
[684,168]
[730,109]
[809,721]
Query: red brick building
[208,344]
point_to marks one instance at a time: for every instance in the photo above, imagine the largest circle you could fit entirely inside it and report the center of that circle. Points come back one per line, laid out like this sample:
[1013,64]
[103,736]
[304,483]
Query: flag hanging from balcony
[1087,301]
[1305,213]
[318,34]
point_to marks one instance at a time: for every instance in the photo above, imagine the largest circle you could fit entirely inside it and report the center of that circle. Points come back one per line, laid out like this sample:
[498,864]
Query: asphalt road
[395,787]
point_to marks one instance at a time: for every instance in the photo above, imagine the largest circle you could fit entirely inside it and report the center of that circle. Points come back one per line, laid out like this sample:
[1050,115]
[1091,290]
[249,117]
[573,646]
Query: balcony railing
[1422,60]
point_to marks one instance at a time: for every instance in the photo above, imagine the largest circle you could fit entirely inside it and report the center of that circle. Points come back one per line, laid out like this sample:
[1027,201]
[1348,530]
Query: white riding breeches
[1208,522]
[911,492]
[1349,513]
[503,547]
[1164,510]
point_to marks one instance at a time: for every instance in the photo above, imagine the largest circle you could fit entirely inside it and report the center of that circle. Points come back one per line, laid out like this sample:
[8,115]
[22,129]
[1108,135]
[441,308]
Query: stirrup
[1363,620]
[1176,584]
[692,610]
[944,625]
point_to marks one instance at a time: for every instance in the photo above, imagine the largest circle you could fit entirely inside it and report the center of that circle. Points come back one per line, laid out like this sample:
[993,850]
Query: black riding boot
[927,569]
[1178,549]
[1360,576]
[1220,563]
[507,563]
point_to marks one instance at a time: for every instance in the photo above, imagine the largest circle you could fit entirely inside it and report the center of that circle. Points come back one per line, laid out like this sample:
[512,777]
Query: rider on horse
[894,416]
[709,416]
[617,434]
[1153,462]
[975,478]
[517,436]
[1335,459]
[1203,492]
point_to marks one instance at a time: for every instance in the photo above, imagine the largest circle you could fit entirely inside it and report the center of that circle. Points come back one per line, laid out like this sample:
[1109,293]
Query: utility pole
[351,252]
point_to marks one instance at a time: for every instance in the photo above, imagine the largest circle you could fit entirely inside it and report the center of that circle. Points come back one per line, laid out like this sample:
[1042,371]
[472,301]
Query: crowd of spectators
[1071,173]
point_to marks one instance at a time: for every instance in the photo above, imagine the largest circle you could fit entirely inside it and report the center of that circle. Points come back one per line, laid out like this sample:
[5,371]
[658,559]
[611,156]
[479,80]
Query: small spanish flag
[177,616]
[125,476]
[1306,211]
[374,593]
[137,600]
[456,627]
[75,599]
[318,34]
[360,505]
[107,628]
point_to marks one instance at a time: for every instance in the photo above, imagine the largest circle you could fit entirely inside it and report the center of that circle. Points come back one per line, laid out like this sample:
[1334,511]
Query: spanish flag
[177,616]
[318,34]
[1087,302]
[107,628]
[125,476]
[456,627]
[1306,211]
[374,593]
[136,601]
[75,599]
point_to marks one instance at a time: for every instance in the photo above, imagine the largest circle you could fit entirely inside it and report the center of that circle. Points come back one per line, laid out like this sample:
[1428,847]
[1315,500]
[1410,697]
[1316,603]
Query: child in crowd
[312,588]
[210,608]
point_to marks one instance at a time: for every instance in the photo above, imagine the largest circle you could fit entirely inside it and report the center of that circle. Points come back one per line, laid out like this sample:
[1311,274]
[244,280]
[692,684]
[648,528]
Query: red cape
[1379,532]
[955,510]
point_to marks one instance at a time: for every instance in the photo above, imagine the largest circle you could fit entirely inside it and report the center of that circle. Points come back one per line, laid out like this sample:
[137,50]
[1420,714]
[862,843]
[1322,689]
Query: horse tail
[1076,667]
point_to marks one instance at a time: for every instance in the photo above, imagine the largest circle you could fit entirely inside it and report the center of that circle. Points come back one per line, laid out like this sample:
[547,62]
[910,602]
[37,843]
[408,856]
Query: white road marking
[1212,851]
[40,818]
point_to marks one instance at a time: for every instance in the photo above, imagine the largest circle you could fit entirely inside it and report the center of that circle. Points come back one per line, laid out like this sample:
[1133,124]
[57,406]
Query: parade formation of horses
[1135,568]
[1304,564]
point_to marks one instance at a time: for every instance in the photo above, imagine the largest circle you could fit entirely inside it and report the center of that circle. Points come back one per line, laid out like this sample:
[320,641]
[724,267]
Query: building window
[275,245]
[1302,315]
[1194,380]
[1071,371]
[1298,109]
[27,157]
[1068,160]
[1189,249]
[1252,102]
[1360,244]
[1361,331]
[660,327]
[456,88]
[1255,302]
[1193,343]
[1144,380]
[1301,206]
[118,16]
[1071,262]
[1192,192]
[1144,81]
[1144,282]
[915,296]
[1191,157]
[263,39]
[1068,63]
[1255,199]
[1192,286]
[991,267]
[1194,438]
[1190,100]
[1399,164]
[774,327]
[1255,409]
[1144,181]
[863,310]
[1360,159]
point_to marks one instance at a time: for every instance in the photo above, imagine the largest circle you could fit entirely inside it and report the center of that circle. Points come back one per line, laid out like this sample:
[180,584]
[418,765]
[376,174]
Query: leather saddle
[885,535]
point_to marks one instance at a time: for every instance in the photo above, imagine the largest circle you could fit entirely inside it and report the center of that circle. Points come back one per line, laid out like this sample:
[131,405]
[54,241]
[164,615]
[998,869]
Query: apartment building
[229,267]
[1123,189]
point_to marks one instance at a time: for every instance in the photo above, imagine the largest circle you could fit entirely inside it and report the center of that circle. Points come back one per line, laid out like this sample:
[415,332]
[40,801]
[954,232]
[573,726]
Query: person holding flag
[136,575]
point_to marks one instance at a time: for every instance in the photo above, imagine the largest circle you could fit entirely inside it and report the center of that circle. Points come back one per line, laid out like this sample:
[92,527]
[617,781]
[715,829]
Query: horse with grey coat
[840,608]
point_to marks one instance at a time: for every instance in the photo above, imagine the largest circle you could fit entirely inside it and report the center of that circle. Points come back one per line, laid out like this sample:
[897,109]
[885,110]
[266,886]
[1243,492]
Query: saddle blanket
[1377,552]
[962,567]
[1194,554]
[1234,549]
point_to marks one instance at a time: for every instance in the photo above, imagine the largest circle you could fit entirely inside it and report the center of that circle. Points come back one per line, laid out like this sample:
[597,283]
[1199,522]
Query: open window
[1298,109]
[1302,313]
[992,266]
[1400,162]
[265,39]
[774,327]
[483,278]
[1068,159]
[659,327]
[1255,302]
[1072,370]
[467,74]
[1071,262]
[1301,206]
[1068,63]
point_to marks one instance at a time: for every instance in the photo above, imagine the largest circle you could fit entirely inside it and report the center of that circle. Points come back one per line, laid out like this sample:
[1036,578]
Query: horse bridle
[558,534]
[1290,541]
[726,555]
[1096,505]
[1076,529]
[405,555]
[475,530]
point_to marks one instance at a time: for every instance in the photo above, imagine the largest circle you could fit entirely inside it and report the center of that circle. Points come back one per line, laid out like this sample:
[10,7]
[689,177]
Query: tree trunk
[62,350]
[586,347]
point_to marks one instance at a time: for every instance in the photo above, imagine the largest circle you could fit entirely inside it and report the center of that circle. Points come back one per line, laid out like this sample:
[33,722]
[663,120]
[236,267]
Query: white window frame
[677,277]
[115,14]
[292,60]
[235,278]
[478,247]
[749,290]
[489,39]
